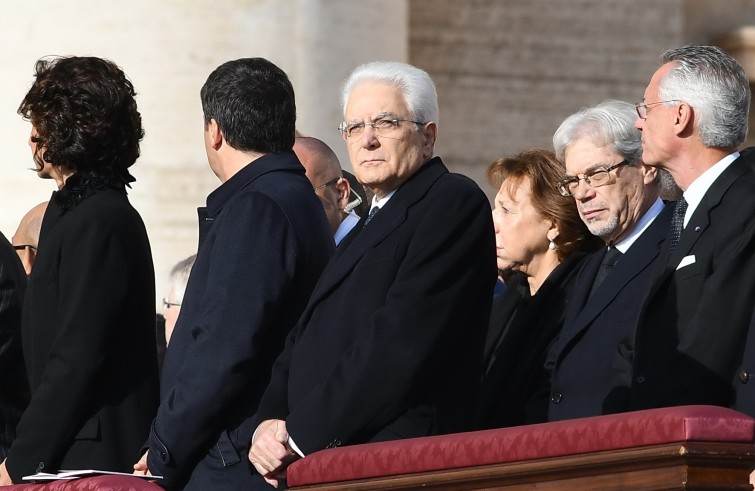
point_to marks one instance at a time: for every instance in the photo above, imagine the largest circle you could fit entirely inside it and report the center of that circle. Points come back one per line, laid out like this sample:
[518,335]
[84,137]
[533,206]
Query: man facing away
[403,357]
[263,242]
[695,320]
[325,174]
[617,196]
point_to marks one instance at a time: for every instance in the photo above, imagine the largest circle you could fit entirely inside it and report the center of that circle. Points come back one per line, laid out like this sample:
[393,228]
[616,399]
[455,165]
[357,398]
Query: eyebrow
[376,117]
[591,168]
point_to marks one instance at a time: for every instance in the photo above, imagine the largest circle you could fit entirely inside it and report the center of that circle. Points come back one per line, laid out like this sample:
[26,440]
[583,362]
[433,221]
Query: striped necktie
[372,213]
[677,223]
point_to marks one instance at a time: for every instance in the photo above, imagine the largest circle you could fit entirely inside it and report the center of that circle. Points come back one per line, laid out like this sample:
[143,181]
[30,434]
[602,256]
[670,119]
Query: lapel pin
[698,228]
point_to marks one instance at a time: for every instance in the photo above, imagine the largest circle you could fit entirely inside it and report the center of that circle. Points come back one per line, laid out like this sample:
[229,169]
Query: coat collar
[393,214]
[267,163]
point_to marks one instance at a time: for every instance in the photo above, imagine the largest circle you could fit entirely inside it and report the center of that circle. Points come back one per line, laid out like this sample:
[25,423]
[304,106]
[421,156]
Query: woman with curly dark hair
[88,322]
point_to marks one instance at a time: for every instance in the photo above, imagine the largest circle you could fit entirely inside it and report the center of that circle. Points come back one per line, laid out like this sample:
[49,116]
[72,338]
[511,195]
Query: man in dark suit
[694,323]
[401,358]
[14,387]
[618,199]
[263,242]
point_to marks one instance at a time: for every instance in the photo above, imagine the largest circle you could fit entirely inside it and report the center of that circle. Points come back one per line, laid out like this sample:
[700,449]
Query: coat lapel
[390,217]
[640,255]
[584,285]
[700,219]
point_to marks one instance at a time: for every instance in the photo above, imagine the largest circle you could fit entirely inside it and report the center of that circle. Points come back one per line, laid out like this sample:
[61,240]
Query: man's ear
[214,135]
[343,188]
[684,119]
[649,173]
[429,133]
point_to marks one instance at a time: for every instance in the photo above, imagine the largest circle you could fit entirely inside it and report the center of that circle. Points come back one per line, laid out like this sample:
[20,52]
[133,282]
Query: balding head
[324,172]
[320,162]
[26,238]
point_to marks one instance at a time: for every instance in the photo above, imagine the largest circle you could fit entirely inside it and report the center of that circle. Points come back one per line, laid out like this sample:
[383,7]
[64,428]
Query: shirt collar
[380,203]
[624,244]
[345,227]
[696,191]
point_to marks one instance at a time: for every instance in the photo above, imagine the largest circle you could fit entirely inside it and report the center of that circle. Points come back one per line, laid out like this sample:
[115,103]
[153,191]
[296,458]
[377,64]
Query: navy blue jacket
[263,242]
[583,361]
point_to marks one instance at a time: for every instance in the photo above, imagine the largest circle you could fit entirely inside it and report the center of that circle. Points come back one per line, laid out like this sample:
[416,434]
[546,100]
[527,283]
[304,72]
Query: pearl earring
[552,246]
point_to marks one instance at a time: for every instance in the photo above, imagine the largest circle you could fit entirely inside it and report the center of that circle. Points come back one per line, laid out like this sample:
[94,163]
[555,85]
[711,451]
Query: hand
[140,468]
[270,452]
[4,476]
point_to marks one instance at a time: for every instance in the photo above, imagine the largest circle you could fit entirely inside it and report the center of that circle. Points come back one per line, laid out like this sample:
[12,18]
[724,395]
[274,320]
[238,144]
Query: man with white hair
[403,357]
[693,325]
[617,196]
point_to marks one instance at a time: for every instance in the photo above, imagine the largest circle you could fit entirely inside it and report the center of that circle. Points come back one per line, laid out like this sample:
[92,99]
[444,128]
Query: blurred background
[507,71]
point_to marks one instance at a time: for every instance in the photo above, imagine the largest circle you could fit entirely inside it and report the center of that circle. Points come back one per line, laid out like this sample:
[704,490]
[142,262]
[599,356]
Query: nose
[583,191]
[369,137]
[639,123]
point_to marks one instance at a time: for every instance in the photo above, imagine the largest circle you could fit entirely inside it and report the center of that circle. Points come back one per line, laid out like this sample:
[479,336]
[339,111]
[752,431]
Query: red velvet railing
[656,449]
[98,483]
[692,447]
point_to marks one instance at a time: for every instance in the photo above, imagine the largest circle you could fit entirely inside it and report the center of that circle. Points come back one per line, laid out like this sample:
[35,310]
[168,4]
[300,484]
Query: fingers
[140,468]
[271,481]
[5,479]
[270,453]
[281,434]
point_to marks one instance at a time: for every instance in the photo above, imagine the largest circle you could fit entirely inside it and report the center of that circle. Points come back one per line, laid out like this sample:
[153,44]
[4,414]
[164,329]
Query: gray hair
[609,123]
[716,86]
[179,275]
[417,86]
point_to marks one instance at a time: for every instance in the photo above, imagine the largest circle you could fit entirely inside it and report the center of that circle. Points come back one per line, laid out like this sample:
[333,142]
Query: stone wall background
[508,72]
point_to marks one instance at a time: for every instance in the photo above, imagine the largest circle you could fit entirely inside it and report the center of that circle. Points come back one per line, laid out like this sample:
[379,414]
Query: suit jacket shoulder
[695,320]
[587,363]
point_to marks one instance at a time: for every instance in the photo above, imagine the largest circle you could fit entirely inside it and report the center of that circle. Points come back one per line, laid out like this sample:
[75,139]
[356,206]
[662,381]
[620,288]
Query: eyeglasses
[21,247]
[642,109]
[594,178]
[168,304]
[332,181]
[382,127]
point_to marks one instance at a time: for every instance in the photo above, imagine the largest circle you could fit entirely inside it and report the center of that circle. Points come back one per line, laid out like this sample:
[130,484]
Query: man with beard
[617,196]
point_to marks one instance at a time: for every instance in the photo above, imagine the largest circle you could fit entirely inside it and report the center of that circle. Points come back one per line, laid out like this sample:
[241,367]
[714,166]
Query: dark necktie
[609,261]
[677,223]
[372,213]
